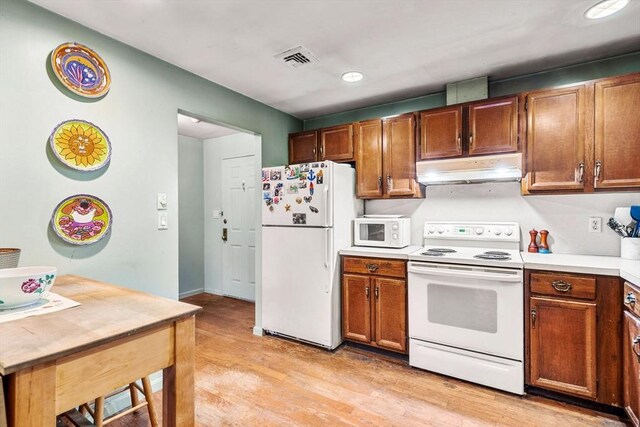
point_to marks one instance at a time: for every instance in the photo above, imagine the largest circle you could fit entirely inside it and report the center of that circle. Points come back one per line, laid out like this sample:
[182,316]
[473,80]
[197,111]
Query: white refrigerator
[307,215]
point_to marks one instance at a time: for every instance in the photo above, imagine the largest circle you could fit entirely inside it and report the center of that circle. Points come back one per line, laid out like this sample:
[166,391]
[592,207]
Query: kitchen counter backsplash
[565,216]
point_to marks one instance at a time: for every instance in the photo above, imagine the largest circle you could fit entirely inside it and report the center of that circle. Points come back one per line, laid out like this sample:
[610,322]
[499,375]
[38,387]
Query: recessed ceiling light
[352,76]
[194,120]
[605,8]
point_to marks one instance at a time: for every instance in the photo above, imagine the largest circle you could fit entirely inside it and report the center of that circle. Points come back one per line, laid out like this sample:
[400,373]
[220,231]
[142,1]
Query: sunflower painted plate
[81,219]
[80,145]
[81,70]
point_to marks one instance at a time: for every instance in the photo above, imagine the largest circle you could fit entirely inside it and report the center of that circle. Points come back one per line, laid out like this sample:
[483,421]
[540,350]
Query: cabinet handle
[380,182]
[596,174]
[378,295]
[630,299]
[581,172]
[321,150]
[534,313]
[561,286]
[372,267]
[634,343]
[366,292]
[471,141]
[389,182]
[314,151]
[459,143]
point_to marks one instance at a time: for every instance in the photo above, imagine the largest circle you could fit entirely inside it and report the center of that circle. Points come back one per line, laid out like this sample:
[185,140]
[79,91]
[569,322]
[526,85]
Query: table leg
[32,396]
[178,405]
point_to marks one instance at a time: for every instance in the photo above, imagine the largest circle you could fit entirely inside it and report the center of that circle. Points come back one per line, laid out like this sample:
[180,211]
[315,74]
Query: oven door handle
[473,274]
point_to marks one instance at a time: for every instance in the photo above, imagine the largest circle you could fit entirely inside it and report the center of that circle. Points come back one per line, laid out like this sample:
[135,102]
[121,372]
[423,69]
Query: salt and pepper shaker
[533,247]
[543,247]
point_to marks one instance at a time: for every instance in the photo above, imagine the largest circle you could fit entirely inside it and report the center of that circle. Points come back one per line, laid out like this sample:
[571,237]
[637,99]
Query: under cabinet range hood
[471,170]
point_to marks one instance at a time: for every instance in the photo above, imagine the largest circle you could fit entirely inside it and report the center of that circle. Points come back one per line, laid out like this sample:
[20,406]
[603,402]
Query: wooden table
[54,362]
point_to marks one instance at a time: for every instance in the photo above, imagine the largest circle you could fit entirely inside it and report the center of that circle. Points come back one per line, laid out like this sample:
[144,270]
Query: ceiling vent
[296,57]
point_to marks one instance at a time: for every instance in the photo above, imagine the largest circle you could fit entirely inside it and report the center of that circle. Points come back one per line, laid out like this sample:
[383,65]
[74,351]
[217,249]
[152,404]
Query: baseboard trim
[257,330]
[190,293]
[213,291]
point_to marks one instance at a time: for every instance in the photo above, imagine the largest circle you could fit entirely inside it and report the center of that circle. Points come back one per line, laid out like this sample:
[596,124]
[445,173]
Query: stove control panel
[496,231]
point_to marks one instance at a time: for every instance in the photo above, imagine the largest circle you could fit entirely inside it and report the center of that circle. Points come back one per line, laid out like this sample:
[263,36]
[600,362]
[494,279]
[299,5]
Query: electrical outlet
[595,224]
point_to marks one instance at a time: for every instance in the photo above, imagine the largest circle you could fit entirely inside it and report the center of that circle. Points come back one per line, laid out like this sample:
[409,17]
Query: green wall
[139,114]
[614,66]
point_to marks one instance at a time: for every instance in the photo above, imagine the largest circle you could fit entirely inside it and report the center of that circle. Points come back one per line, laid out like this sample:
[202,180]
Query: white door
[238,206]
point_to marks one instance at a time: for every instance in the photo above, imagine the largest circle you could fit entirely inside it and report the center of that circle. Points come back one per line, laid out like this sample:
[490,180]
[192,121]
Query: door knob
[224,234]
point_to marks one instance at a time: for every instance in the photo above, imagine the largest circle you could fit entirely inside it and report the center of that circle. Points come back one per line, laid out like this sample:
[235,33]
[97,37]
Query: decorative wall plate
[80,145]
[81,70]
[81,219]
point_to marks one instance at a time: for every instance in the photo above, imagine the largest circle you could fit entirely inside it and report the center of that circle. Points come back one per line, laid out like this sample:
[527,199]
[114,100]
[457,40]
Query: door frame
[257,152]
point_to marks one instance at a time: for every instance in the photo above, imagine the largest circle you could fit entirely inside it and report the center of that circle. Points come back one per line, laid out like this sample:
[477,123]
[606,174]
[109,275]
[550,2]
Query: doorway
[219,208]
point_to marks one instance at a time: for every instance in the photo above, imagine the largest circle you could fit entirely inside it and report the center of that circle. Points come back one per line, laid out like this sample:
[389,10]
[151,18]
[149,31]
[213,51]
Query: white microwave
[382,232]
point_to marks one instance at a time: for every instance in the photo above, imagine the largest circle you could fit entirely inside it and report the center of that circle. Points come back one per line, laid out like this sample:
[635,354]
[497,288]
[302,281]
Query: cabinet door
[617,132]
[563,346]
[356,308]
[555,144]
[493,126]
[441,133]
[369,159]
[302,147]
[390,313]
[336,143]
[399,155]
[631,366]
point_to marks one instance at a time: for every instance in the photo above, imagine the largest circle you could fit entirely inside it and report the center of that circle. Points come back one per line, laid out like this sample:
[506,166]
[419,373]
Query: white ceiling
[405,48]
[202,129]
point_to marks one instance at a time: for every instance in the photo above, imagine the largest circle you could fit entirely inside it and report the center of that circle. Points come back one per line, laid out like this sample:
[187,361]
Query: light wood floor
[244,380]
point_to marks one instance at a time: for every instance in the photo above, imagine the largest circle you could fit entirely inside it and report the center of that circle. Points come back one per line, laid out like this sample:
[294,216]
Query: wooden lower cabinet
[573,333]
[374,307]
[563,346]
[631,356]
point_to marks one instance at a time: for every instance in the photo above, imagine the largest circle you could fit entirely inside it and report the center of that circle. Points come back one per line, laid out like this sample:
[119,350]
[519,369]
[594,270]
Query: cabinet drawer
[631,298]
[374,266]
[566,285]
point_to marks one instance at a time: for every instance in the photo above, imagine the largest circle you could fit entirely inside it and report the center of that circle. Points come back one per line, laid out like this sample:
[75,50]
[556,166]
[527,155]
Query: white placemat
[47,304]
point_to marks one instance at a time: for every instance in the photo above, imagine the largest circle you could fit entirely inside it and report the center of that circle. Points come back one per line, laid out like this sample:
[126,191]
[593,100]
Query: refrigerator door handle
[327,255]
[326,204]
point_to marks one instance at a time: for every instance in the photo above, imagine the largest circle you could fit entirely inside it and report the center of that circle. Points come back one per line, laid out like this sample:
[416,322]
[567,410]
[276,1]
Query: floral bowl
[24,285]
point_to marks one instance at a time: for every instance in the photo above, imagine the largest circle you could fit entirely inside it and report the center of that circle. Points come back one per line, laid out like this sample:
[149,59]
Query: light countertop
[380,252]
[588,264]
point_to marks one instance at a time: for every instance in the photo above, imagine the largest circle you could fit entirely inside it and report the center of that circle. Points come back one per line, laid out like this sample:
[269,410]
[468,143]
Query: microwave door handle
[474,274]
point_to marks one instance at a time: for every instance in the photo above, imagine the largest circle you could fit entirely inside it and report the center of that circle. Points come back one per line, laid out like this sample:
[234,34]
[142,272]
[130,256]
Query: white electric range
[466,303]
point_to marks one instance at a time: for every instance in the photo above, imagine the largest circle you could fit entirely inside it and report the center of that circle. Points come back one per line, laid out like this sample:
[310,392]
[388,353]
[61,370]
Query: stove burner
[431,253]
[494,255]
[442,250]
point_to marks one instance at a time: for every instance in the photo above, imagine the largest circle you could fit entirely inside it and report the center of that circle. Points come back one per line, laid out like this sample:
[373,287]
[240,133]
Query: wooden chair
[98,411]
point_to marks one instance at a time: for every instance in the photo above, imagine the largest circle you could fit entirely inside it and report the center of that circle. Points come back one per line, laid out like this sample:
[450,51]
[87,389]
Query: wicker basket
[9,257]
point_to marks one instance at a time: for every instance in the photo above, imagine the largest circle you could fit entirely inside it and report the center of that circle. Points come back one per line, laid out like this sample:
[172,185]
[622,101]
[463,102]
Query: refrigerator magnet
[313,209]
[320,178]
[266,174]
[302,184]
[311,188]
[299,218]
[266,186]
[298,200]
[311,175]
[276,175]
[315,165]
[304,167]
[307,199]
[293,189]
[287,207]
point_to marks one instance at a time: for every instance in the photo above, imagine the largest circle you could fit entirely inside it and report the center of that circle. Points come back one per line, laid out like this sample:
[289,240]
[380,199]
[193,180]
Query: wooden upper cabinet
[631,367]
[302,147]
[563,346]
[493,126]
[336,143]
[555,144]
[369,159]
[617,132]
[441,133]
[356,307]
[390,313]
[399,155]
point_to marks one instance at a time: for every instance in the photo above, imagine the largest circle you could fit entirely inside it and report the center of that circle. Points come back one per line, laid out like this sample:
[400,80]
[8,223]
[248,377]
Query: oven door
[469,307]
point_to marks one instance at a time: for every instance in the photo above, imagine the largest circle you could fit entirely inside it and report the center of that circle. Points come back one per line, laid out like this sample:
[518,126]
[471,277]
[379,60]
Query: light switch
[161,202]
[162,221]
